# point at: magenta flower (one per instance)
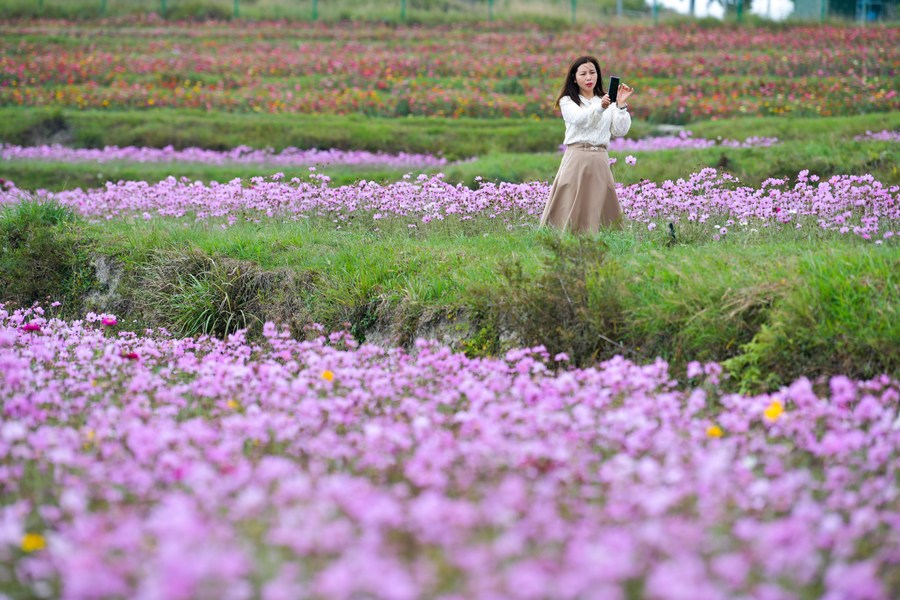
(223, 469)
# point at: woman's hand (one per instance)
(605, 101)
(624, 92)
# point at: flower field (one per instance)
(702, 404)
(289, 157)
(145, 466)
(294, 157)
(713, 201)
(681, 73)
(686, 140)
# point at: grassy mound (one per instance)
(771, 311)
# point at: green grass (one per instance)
(690, 302)
(66, 176)
(771, 309)
(454, 138)
(44, 254)
(752, 166)
(548, 14)
(507, 149)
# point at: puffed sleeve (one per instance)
(621, 121)
(581, 116)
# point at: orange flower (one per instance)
(32, 542)
(774, 411)
(714, 431)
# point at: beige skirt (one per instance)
(583, 196)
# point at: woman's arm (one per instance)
(621, 121)
(579, 115)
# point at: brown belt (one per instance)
(586, 146)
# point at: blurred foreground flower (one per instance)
(32, 542)
(773, 411)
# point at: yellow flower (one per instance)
(89, 434)
(32, 542)
(714, 431)
(774, 411)
(232, 404)
(327, 375)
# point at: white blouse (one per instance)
(590, 123)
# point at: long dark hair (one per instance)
(570, 86)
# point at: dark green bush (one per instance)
(191, 293)
(843, 318)
(44, 255)
(570, 305)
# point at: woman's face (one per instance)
(586, 78)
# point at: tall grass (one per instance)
(828, 307)
(44, 254)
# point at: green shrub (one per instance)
(841, 318)
(571, 305)
(192, 293)
(44, 255)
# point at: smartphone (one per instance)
(613, 88)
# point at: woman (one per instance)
(583, 196)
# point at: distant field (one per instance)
(228, 379)
(681, 72)
(554, 13)
(503, 149)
